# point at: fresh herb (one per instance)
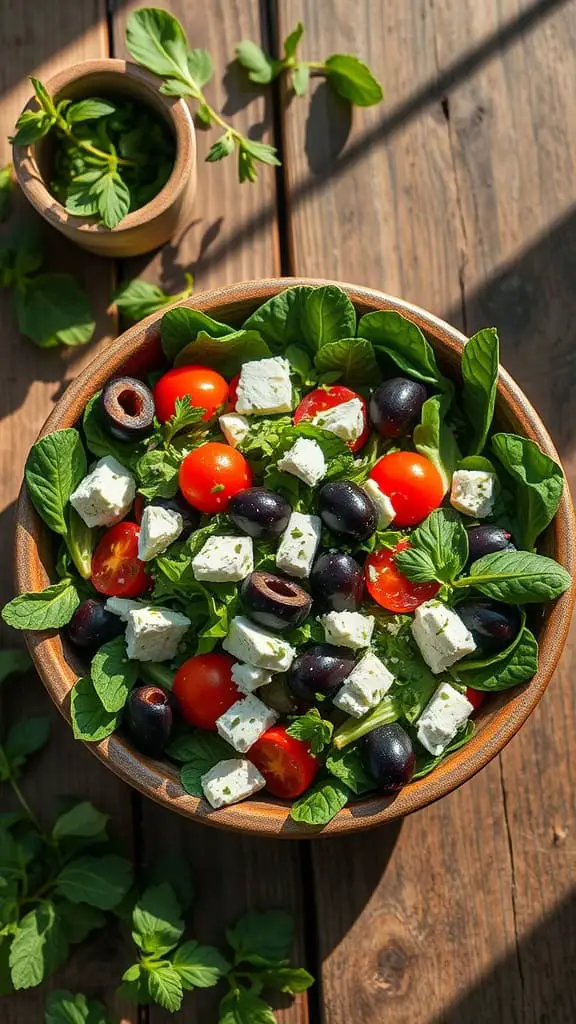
(537, 482)
(314, 729)
(90, 721)
(51, 608)
(351, 359)
(434, 439)
(54, 468)
(517, 577)
(63, 1007)
(200, 751)
(517, 664)
(157, 473)
(136, 299)
(322, 802)
(385, 713)
(185, 415)
(438, 549)
(480, 360)
(402, 341)
(113, 674)
(347, 765)
(7, 185)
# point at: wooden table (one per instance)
(458, 193)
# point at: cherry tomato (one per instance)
(389, 588)
(327, 398)
(233, 391)
(476, 697)
(212, 474)
(205, 388)
(412, 483)
(204, 689)
(116, 569)
(285, 762)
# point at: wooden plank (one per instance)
(418, 919)
(233, 236)
(39, 39)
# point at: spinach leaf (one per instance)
(80, 541)
(476, 462)
(278, 320)
(157, 473)
(182, 325)
(347, 765)
(517, 577)
(327, 316)
(54, 468)
(403, 342)
(426, 762)
(352, 79)
(203, 751)
(352, 359)
(479, 380)
(438, 549)
(518, 664)
(434, 439)
(301, 364)
(225, 354)
(538, 483)
(53, 309)
(321, 802)
(44, 609)
(113, 674)
(90, 721)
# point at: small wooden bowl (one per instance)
(137, 351)
(150, 226)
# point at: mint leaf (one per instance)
(244, 1007)
(435, 440)
(267, 934)
(352, 359)
(54, 309)
(101, 882)
(313, 728)
(31, 126)
(320, 803)
(347, 765)
(538, 484)
(155, 39)
(292, 40)
(286, 979)
(180, 326)
(90, 721)
(301, 79)
(26, 738)
(353, 80)
(200, 66)
(517, 577)
(165, 985)
(203, 751)
(38, 947)
(78, 920)
(157, 920)
(113, 674)
(223, 147)
(404, 343)
(438, 549)
(63, 1007)
(113, 196)
(82, 820)
(13, 661)
(261, 68)
(199, 966)
(136, 299)
(46, 609)
(55, 466)
(89, 110)
(43, 96)
(479, 381)
(225, 354)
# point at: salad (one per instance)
(297, 559)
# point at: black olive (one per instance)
(389, 756)
(127, 409)
(485, 540)
(259, 512)
(273, 602)
(493, 625)
(320, 669)
(190, 516)
(148, 719)
(396, 405)
(347, 510)
(337, 582)
(91, 625)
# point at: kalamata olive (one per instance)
(259, 512)
(320, 669)
(396, 405)
(190, 516)
(389, 756)
(337, 582)
(148, 719)
(493, 625)
(484, 540)
(127, 409)
(91, 625)
(347, 510)
(273, 602)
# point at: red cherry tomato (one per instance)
(212, 474)
(116, 569)
(233, 391)
(389, 588)
(327, 398)
(285, 762)
(205, 388)
(204, 689)
(476, 697)
(412, 483)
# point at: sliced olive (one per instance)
(259, 512)
(320, 669)
(396, 405)
(493, 625)
(337, 582)
(274, 602)
(148, 719)
(127, 409)
(347, 510)
(390, 756)
(91, 625)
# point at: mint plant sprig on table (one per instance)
(136, 299)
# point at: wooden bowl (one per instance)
(137, 351)
(150, 226)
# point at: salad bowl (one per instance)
(138, 352)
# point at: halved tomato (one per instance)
(116, 569)
(285, 762)
(389, 588)
(322, 399)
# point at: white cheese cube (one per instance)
(230, 781)
(224, 560)
(441, 635)
(348, 629)
(159, 527)
(305, 459)
(153, 634)
(264, 387)
(121, 606)
(365, 687)
(297, 549)
(249, 678)
(345, 420)
(445, 712)
(473, 492)
(381, 502)
(256, 646)
(234, 427)
(105, 495)
(245, 722)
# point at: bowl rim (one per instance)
(32, 183)
(266, 816)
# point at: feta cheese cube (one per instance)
(381, 502)
(473, 492)
(245, 722)
(249, 678)
(230, 781)
(297, 549)
(105, 495)
(445, 712)
(153, 634)
(264, 387)
(345, 420)
(121, 606)
(348, 629)
(365, 687)
(234, 427)
(305, 459)
(441, 635)
(159, 527)
(256, 646)
(224, 560)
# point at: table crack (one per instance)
(513, 876)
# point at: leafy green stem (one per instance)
(157, 675)
(24, 803)
(386, 713)
(112, 159)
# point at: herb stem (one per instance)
(157, 675)
(24, 803)
(314, 65)
(110, 158)
(384, 714)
